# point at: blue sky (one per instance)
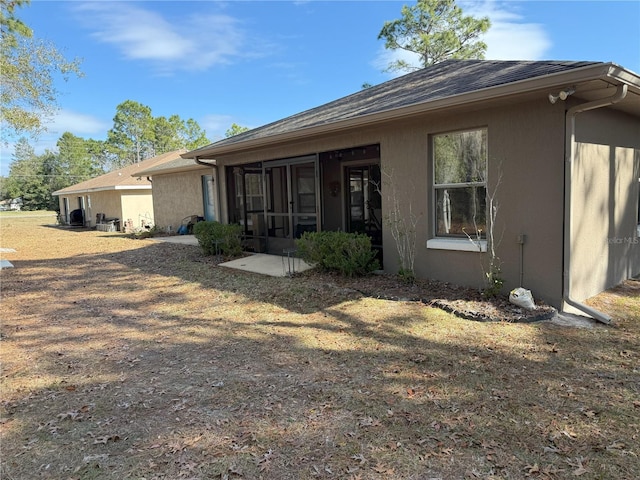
(253, 62)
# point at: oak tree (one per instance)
(29, 66)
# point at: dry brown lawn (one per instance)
(133, 359)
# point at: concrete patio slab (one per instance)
(181, 239)
(272, 265)
(571, 320)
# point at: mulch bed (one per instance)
(464, 302)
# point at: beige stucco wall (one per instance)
(605, 245)
(107, 202)
(137, 207)
(178, 195)
(123, 204)
(526, 150)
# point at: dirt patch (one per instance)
(132, 359)
(467, 303)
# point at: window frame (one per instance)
(456, 242)
(638, 211)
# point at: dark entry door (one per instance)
(291, 201)
(364, 204)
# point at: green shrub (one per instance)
(227, 238)
(348, 253)
(494, 282)
(407, 276)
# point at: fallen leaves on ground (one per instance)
(135, 359)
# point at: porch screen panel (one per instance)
(245, 197)
(303, 184)
(278, 224)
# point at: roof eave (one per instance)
(133, 187)
(184, 169)
(102, 189)
(620, 75)
(608, 72)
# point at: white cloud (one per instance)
(194, 42)
(509, 38)
(386, 57)
(79, 124)
(216, 125)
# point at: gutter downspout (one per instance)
(204, 164)
(570, 142)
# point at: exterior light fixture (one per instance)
(562, 95)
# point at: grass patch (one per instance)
(126, 359)
(27, 213)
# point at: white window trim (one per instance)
(638, 212)
(458, 244)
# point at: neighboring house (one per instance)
(181, 189)
(556, 144)
(12, 204)
(122, 198)
(15, 204)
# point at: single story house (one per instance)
(11, 204)
(121, 198)
(181, 189)
(542, 155)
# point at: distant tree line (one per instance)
(432, 30)
(136, 136)
(28, 98)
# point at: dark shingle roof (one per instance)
(446, 79)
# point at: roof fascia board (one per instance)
(620, 75)
(133, 187)
(85, 190)
(608, 72)
(189, 169)
(103, 189)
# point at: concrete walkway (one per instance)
(6, 263)
(272, 265)
(572, 320)
(182, 239)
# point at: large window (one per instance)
(460, 183)
(638, 227)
